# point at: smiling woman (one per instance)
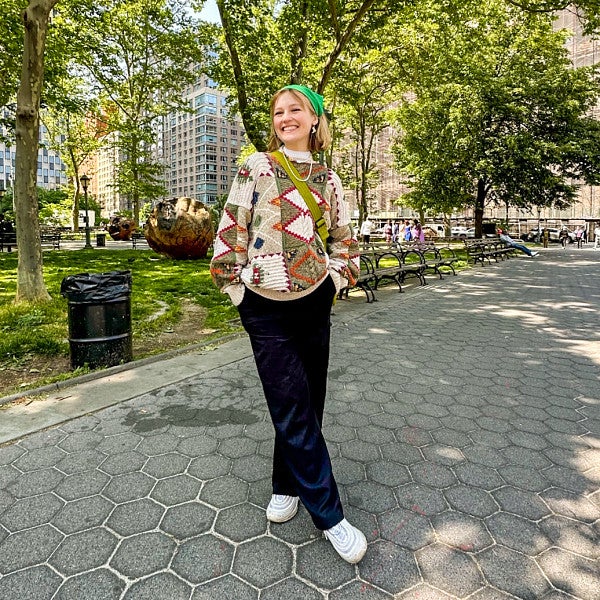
(283, 277)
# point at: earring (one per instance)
(314, 129)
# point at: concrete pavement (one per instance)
(463, 421)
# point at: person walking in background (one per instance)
(563, 236)
(283, 278)
(545, 237)
(579, 236)
(407, 231)
(396, 232)
(417, 233)
(597, 237)
(387, 232)
(365, 230)
(6, 227)
(510, 242)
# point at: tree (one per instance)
(495, 113)
(267, 44)
(11, 48)
(30, 279)
(588, 11)
(367, 86)
(75, 129)
(140, 53)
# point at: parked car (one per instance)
(462, 232)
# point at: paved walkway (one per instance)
(464, 424)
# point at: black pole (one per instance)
(85, 180)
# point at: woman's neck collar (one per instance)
(298, 155)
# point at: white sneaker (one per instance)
(282, 508)
(534, 254)
(350, 543)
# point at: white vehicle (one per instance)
(437, 228)
(459, 231)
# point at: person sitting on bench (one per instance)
(510, 242)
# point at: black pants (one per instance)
(290, 341)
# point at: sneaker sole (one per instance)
(283, 519)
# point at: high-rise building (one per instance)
(200, 148)
(103, 171)
(51, 171)
(584, 52)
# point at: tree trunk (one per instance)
(30, 276)
(479, 205)
(254, 133)
(76, 187)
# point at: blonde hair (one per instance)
(320, 140)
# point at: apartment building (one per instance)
(102, 169)
(51, 171)
(199, 149)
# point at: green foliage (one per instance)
(140, 54)
(366, 86)
(54, 207)
(267, 44)
(498, 113)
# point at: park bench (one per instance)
(50, 239)
(47, 239)
(366, 280)
(138, 239)
(481, 250)
(8, 239)
(435, 258)
(390, 263)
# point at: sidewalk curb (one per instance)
(101, 373)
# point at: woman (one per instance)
(407, 231)
(283, 279)
(417, 233)
(387, 232)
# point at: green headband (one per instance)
(315, 99)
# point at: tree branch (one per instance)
(342, 42)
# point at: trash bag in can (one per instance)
(99, 308)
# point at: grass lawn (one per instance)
(162, 289)
(173, 304)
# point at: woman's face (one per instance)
(292, 121)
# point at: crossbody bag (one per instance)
(315, 211)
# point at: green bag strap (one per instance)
(288, 167)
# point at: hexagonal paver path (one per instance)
(463, 421)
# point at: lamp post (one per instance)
(85, 181)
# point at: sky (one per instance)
(210, 12)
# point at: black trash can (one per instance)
(100, 240)
(99, 306)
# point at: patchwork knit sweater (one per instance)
(266, 239)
